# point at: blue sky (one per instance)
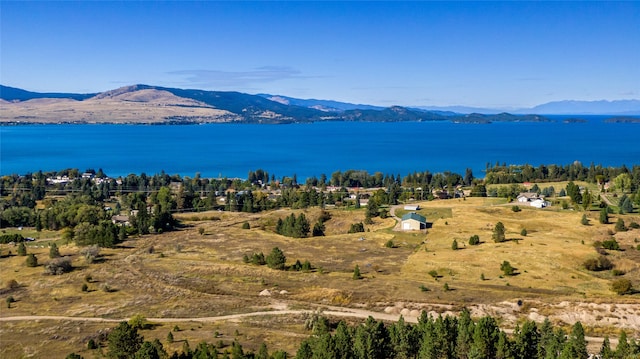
(490, 54)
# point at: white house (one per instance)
(410, 207)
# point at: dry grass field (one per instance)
(184, 274)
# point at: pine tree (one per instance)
(356, 273)
(604, 215)
(498, 233)
(53, 251)
(276, 259)
(605, 349)
(22, 249)
(124, 341)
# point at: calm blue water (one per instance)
(312, 149)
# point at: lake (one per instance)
(232, 150)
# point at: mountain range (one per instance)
(146, 104)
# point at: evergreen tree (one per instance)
(485, 338)
(604, 215)
(147, 351)
(276, 259)
(343, 342)
(124, 341)
(504, 348)
(32, 260)
(498, 233)
(464, 339)
(623, 348)
(356, 273)
(304, 351)
(22, 249)
(605, 349)
(262, 353)
(626, 206)
(576, 346)
(53, 251)
(527, 339)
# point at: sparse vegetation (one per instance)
(598, 264)
(621, 286)
(58, 266)
(32, 260)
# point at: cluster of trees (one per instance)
(450, 337)
(441, 337)
(125, 341)
(276, 260)
(501, 173)
(292, 226)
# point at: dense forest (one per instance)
(431, 338)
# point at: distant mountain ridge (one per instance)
(602, 107)
(161, 105)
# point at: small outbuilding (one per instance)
(413, 222)
(411, 207)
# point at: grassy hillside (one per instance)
(185, 274)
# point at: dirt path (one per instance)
(280, 309)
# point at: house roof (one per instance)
(529, 195)
(414, 216)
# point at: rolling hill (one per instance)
(145, 104)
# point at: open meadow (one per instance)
(195, 282)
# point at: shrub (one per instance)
(434, 274)
(88, 278)
(584, 221)
(58, 266)
(201, 231)
(634, 225)
(445, 287)
(611, 244)
(258, 259)
(9, 300)
(138, 321)
(356, 228)
(454, 245)
(85, 287)
(390, 244)
(91, 253)
(516, 208)
(474, 240)
(506, 268)
(617, 272)
(246, 225)
(621, 286)
(523, 232)
(32, 260)
(620, 227)
(91, 344)
(12, 284)
(423, 288)
(598, 264)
